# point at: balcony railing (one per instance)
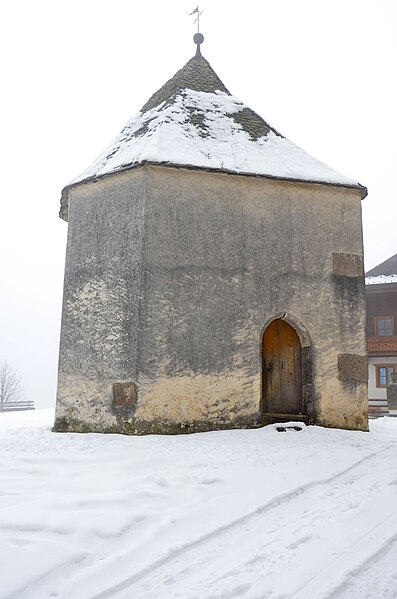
(382, 345)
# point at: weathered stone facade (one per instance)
(172, 275)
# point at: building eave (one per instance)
(372, 289)
(65, 192)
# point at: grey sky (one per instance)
(323, 73)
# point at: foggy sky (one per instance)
(73, 73)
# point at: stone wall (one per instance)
(171, 276)
(104, 269)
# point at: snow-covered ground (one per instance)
(249, 514)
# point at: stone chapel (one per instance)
(214, 275)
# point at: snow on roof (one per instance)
(381, 279)
(198, 129)
(194, 121)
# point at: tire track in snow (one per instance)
(277, 569)
(374, 578)
(184, 550)
(375, 549)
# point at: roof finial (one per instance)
(198, 37)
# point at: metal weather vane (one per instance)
(197, 10)
(198, 37)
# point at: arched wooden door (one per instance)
(282, 369)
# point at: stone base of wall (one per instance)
(66, 425)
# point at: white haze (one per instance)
(73, 73)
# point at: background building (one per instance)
(381, 292)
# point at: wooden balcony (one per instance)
(382, 346)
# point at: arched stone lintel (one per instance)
(296, 324)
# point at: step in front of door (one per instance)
(270, 418)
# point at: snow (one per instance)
(168, 134)
(381, 279)
(307, 514)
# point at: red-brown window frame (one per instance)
(377, 368)
(384, 318)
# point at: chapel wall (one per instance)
(171, 275)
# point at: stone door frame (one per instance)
(308, 407)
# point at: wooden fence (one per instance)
(17, 406)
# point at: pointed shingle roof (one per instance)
(386, 268)
(194, 121)
(197, 74)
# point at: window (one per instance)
(384, 326)
(383, 374)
